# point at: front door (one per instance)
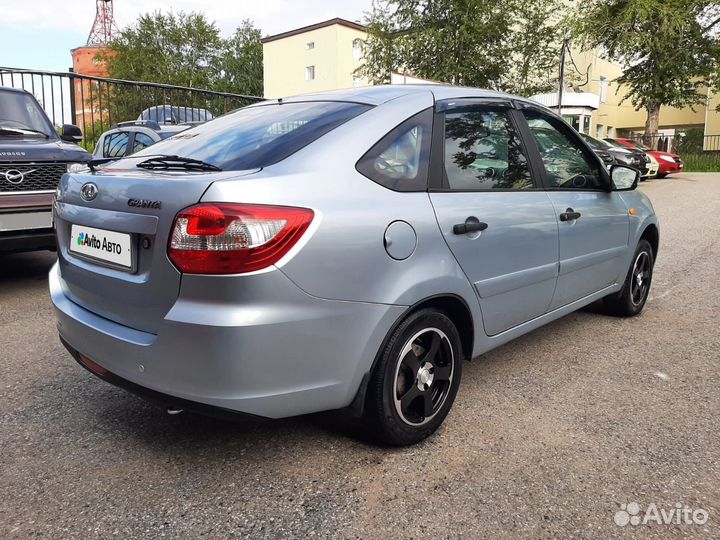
(499, 224)
(593, 222)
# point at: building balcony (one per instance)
(571, 99)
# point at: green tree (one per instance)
(533, 60)
(241, 62)
(503, 44)
(183, 49)
(668, 48)
(173, 48)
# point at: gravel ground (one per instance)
(550, 434)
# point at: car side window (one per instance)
(141, 141)
(567, 163)
(399, 161)
(483, 151)
(115, 145)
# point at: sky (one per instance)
(38, 34)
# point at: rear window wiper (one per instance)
(177, 162)
(93, 163)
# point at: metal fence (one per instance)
(96, 103)
(693, 141)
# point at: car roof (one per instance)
(11, 89)
(137, 126)
(178, 107)
(376, 95)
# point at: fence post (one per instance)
(73, 109)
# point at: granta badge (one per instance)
(144, 203)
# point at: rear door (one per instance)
(593, 222)
(498, 222)
(140, 141)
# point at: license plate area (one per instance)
(102, 247)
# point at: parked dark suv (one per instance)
(33, 157)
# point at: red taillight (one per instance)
(224, 238)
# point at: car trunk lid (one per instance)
(143, 205)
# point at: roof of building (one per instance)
(316, 26)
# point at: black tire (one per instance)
(632, 297)
(663, 175)
(415, 380)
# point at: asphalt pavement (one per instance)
(549, 437)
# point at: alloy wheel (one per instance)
(423, 376)
(640, 280)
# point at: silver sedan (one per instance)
(342, 250)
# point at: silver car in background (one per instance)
(342, 250)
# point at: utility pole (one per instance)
(561, 85)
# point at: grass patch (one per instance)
(705, 162)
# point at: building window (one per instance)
(611, 132)
(310, 73)
(603, 89)
(599, 131)
(586, 124)
(310, 45)
(357, 49)
(573, 120)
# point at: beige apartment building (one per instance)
(324, 56)
(313, 58)
(596, 107)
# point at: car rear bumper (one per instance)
(159, 398)
(293, 354)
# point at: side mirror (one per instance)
(624, 178)
(71, 133)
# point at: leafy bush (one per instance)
(702, 161)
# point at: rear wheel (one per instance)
(416, 379)
(631, 299)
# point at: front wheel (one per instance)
(416, 379)
(632, 297)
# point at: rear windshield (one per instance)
(176, 115)
(255, 137)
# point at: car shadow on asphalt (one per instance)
(149, 425)
(18, 267)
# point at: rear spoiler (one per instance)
(146, 123)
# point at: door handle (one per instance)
(569, 215)
(464, 228)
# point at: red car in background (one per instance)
(668, 163)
